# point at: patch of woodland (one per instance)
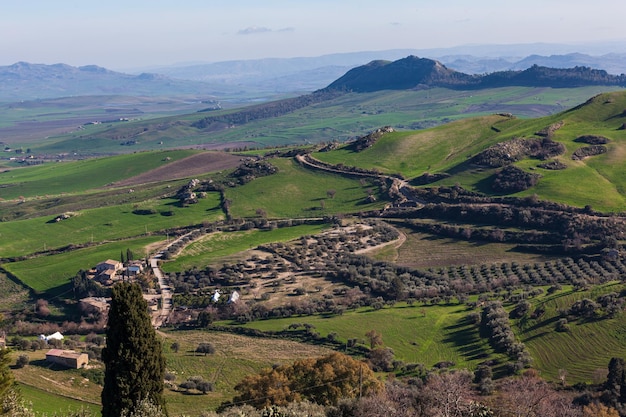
(577, 229)
(369, 140)
(512, 179)
(516, 149)
(495, 325)
(587, 151)
(592, 139)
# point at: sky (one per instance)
(123, 34)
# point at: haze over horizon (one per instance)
(121, 35)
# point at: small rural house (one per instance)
(134, 268)
(67, 358)
(109, 264)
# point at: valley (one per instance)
(329, 228)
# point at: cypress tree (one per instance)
(6, 376)
(134, 363)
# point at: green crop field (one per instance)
(103, 224)
(79, 176)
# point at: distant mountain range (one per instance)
(25, 81)
(413, 72)
(268, 79)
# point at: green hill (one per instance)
(450, 151)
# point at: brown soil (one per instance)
(197, 164)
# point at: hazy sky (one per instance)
(121, 34)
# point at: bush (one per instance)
(22, 361)
(562, 325)
(205, 348)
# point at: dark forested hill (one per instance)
(413, 72)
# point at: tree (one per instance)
(324, 380)
(134, 363)
(375, 338)
(6, 376)
(205, 348)
(21, 361)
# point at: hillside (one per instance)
(315, 118)
(455, 153)
(411, 233)
(413, 72)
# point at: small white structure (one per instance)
(234, 297)
(53, 336)
(216, 296)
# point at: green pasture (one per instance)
(103, 224)
(417, 334)
(585, 349)
(296, 191)
(45, 402)
(46, 273)
(79, 176)
(413, 153)
(215, 246)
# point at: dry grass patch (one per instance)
(422, 250)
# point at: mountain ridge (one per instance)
(414, 72)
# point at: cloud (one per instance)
(254, 30)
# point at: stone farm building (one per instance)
(109, 265)
(67, 358)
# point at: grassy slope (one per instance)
(299, 192)
(413, 153)
(598, 181)
(235, 357)
(582, 351)
(417, 334)
(79, 176)
(102, 224)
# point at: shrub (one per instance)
(22, 361)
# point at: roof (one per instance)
(64, 353)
